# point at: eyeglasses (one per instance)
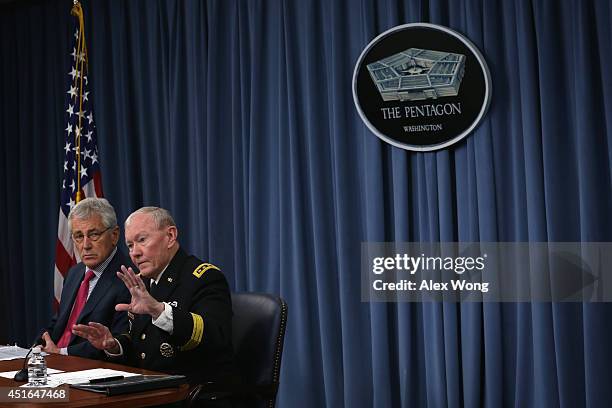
(92, 236)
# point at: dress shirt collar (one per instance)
(100, 268)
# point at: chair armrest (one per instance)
(228, 390)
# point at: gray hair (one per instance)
(161, 217)
(94, 206)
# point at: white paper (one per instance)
(76, 377)
(12, 352)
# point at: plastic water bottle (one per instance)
(37, 369)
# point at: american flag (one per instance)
(81, 166)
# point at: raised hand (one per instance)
(98, 335)
(142, 302)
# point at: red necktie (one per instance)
(79, 303)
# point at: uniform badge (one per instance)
(166, 350)
(174, 303)
(199, 271)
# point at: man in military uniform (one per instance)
(180, 312)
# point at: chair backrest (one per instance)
(258, 333)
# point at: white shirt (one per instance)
(164, 320)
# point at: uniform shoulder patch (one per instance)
(200, 269)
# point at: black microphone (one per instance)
(22, 375)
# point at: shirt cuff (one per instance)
(64, 351)
(164, 320)
(120, 350)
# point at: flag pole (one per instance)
(77, 11)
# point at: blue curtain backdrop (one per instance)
(238, 117)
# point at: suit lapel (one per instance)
(69, 293)
(170, 279)
(166, 284)
(101, 289)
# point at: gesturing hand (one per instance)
(98, 335)
(142, 302)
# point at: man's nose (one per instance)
(87, 242)
(135, 252)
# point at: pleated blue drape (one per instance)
(238, 117)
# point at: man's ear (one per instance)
(172, 234)
(115, 235)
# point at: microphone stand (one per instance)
(22, 375)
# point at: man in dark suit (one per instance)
(91, 288)
(184, 325)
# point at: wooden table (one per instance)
(80, 398)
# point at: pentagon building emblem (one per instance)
(421, 86)
(416, 74)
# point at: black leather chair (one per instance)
(258, 333)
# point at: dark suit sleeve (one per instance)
(50, 327)
(207, 323)
(85, 349)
